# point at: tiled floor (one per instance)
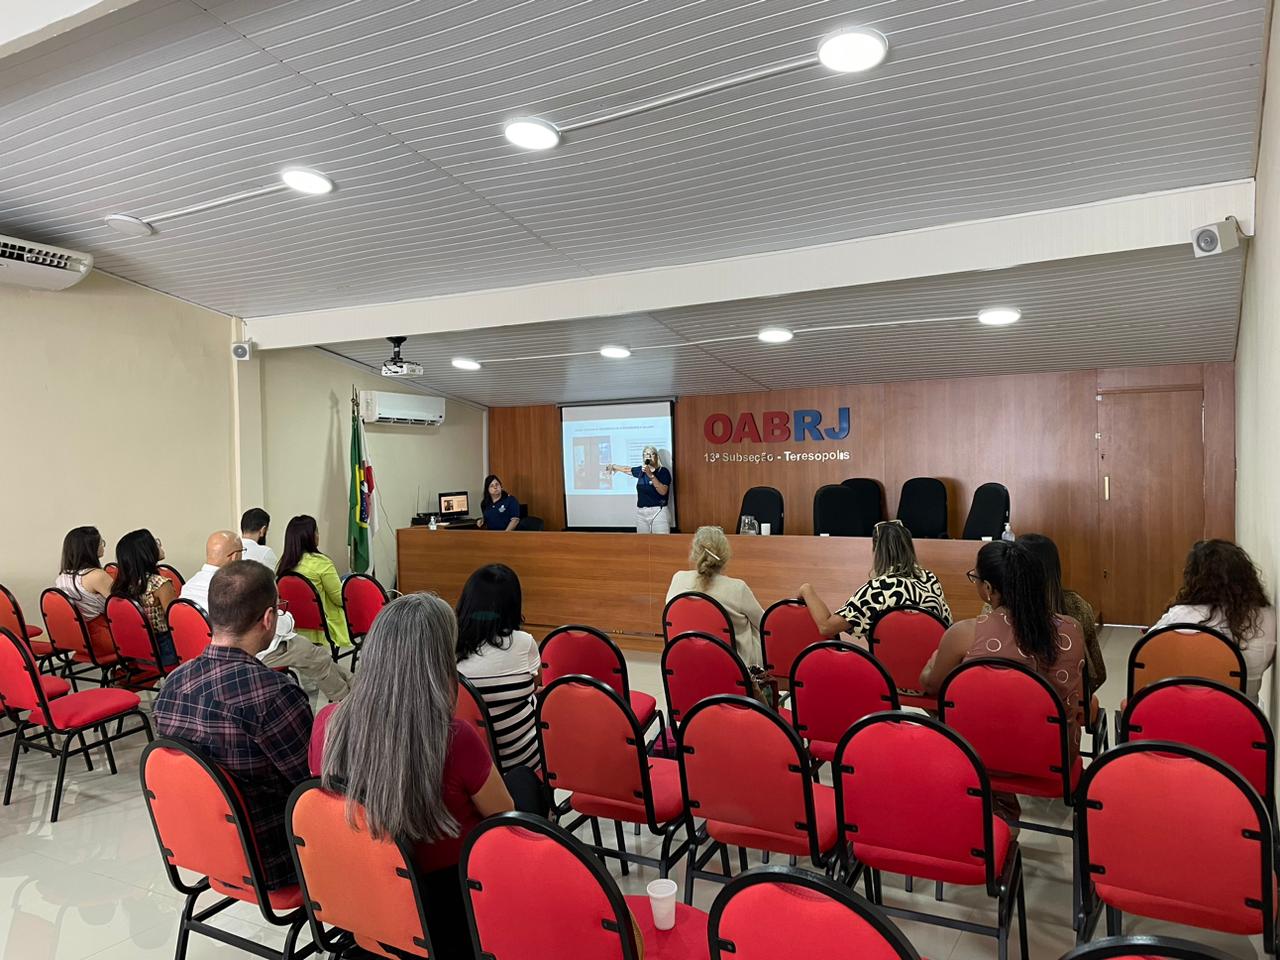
(92, 885)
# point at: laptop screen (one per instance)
(454, 504)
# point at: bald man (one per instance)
(312, 663)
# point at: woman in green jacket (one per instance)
(302, 555)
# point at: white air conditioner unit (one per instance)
(379, 407)
(34, 265)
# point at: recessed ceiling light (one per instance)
(615, 353)
(462, 363)
(306, 181)
(532, 133)
(853, 51)
(775, 335)
(999, 316)
(129, 226)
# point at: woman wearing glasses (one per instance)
(897, 580)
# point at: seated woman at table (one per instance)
(708, 555)
(501, 510)
(897, 580)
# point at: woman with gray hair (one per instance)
(653, 492)
(708, 555)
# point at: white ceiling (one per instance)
(986, 108)
(1148, 306)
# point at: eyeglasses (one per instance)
(973, 576)
(282, 606)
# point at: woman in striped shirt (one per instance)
(501, 661)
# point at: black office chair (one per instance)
(835, 512)
(870, 502)
(922, 508)
(530, 523)
(765, 504)
(988, 513)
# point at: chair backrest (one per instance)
(742, 766)
(11, 617)
(531, 523)
(835, 684)
(839, 512)
(693, 612)
(903, 639)
(870, 506)
(765, 504)
(592, 742)
(189, 628)
(573, 909)
(786, 629)
(1012, 718)
(172, 575)
(922, 507)
(696, 666)
(200, 820)
(19, 687)
(772, 912)
(1210, 716)
(304, 602)
(366, 887)
(1155, 819)
(1145, 948)
(471, 709)
(131, 630)
(64, 626)
(909, 784)
(362, 599)
(1185, 650)
(988, 513)
(112, 568)
(586, 651)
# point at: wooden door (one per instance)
(1151, 466)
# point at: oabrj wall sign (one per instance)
(775, 426)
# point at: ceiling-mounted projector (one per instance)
(397, 366)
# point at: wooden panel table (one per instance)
(618, 581)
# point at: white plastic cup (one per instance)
(765, 529)
(662, 901)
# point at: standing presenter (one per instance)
(653, 486)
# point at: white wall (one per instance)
(116, 411)
(306, 437)
(1258, 359)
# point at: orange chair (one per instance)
(70, 636)
(308, 612)
(575, 649)
(11, 619)
(903, 639)
(367, 891)
(172, 575)
(694, 612)
(786, 630)
(136, 642)
(362, 600)
(202, 826)
(471, 709)
(189, 628)
(1185, 650)
(69, 716)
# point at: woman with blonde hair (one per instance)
(708, 556)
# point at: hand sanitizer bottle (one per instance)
(1008, 533)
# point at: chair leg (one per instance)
(742, 859)
(690, 874)
(106, 743)
(595, 832)
(62, 773)
(622, 845)
(1113, 922)
(1022, 917)
(184, 928)
(724, 860)
(88, 760)
(13, 761)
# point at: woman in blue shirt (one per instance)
(501, 509)
(653, 489)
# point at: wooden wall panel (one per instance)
(524, 451)
(1220, 450)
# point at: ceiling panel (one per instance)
(985, 108)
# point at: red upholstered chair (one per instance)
(135, 641)
(696, 666)
(1185, 650)
(914, 799)
(773, 912)
(747, 773)
(362, 890)
(172, 575)
(833, 685)
(594, 747)
(903, 639)
(70, 716)
(189, 628)
(112, 568)
(1209, 716)
(574, 909)
(586, 651)
(786, 629)
(1166, 831)
(471, 709)
(1018, 727)
(307, 610)
(362, 600)
(694, 612)
(70, 636)
(11, 619)
(1145, 948)
(202, 827)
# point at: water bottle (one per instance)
(1008, 533)
(432, 524)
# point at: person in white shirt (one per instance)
(1221, 589)
(287, 649)
(253, 535)
(708, 555)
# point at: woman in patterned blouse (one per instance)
(897, 580)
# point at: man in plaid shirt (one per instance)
(252, 722)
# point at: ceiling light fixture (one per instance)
(775, 335)
(615, 353)
(301, 179)
(999, 316)
(852, 50)
(462, 363)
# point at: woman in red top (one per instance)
(393, 747)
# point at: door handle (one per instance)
(1106, 488)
